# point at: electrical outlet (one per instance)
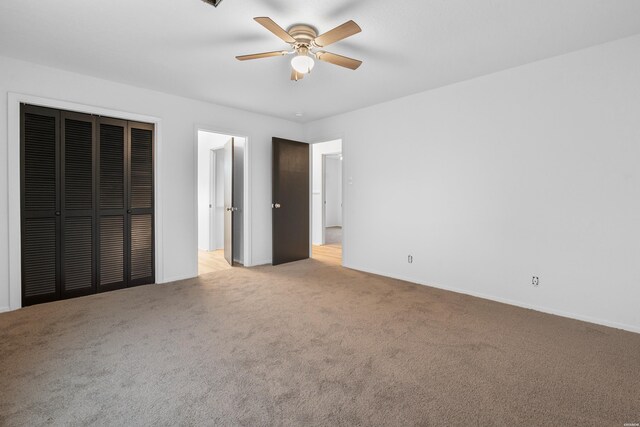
(410, 259)
(535, 280)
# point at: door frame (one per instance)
(311, 142)
(246, 197)
(13, 174)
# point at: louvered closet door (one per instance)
(77, 197)
(112, 209)
(141, 202)
(40, 151)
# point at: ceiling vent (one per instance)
(215, 3)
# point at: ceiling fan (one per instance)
(306, 44)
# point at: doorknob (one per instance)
(277, 206)
(231, 209)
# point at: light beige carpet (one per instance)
(309, 343)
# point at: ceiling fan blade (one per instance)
(341, 32)
(275, 29)
(340, 60)
(295, 75)
(261, 55)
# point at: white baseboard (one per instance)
(260, 262)
(3, 309)
(603, 322)
(177, 278)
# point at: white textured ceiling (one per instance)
(187, 47)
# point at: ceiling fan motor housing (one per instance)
(304, 34)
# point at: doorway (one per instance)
(221, 201)
(327, 205)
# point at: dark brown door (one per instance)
(125, 204)
(290, 213)
(141, 266)
(229, 208)
(112, 209)
(40, 199)
(77, 198)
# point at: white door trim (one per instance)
(13, 186)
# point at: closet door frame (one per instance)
(94, 211)
(15, 101)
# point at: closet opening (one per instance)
(87, 204)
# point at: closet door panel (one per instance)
(112, 212)
(112, 163)
(40, 158)
(78, 259)
(141, 246)
(112, 252)
(141, 166)
(40, 214)
(39, 260)
(77, 146)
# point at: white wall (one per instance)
(530, 171)
(207, 141)
(179, 119)
(333, 192)
(317, 150)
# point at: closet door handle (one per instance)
(57, 213)
(128, 211)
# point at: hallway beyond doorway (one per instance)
(331, 254)
(211, 262)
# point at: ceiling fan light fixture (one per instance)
(302, 63)
(304, 41)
